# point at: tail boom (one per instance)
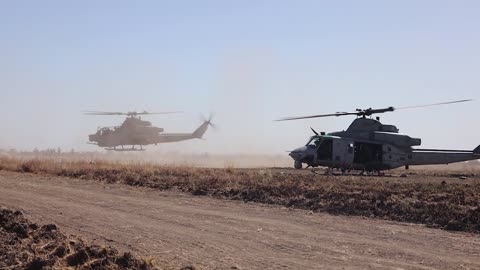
(177, 137)
(437, 156)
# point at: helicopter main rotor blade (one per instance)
(433, 104)
(153, 113)
(370, 111)
(316, 116)
(128, 113)
(102, 113)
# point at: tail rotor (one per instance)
(207, 122)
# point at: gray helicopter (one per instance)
(137, 132)
(369, 145)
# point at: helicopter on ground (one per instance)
(368, 145)
(135, 131)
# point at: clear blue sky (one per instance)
(248, 61)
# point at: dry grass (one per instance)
(435, 198)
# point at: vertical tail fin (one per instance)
(198, 133)
(477, 150)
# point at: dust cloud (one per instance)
(236, 93)
(204, 160)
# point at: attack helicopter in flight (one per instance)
(137, 132)
(368, 145)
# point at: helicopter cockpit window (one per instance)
(315, 141)
(106, 130)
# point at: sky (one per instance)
(248, 62)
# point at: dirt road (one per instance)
(179, 229)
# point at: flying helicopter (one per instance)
(137, 132)
(368, 145)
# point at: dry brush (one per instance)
(436, 199)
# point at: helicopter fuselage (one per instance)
(371, 146)
(136, 132)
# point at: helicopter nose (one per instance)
(92, 137)
(299, 153)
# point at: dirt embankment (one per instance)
(26, 245)
(437, 199)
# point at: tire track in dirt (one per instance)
(213, 233)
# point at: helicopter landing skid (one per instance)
(315, 171)
(125, 149)
(339, 172)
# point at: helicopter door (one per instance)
(344, 153)
(368, 153)
(325, 149)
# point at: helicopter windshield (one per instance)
(106, 130)
(315, 141)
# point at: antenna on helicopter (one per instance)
(368, 112)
